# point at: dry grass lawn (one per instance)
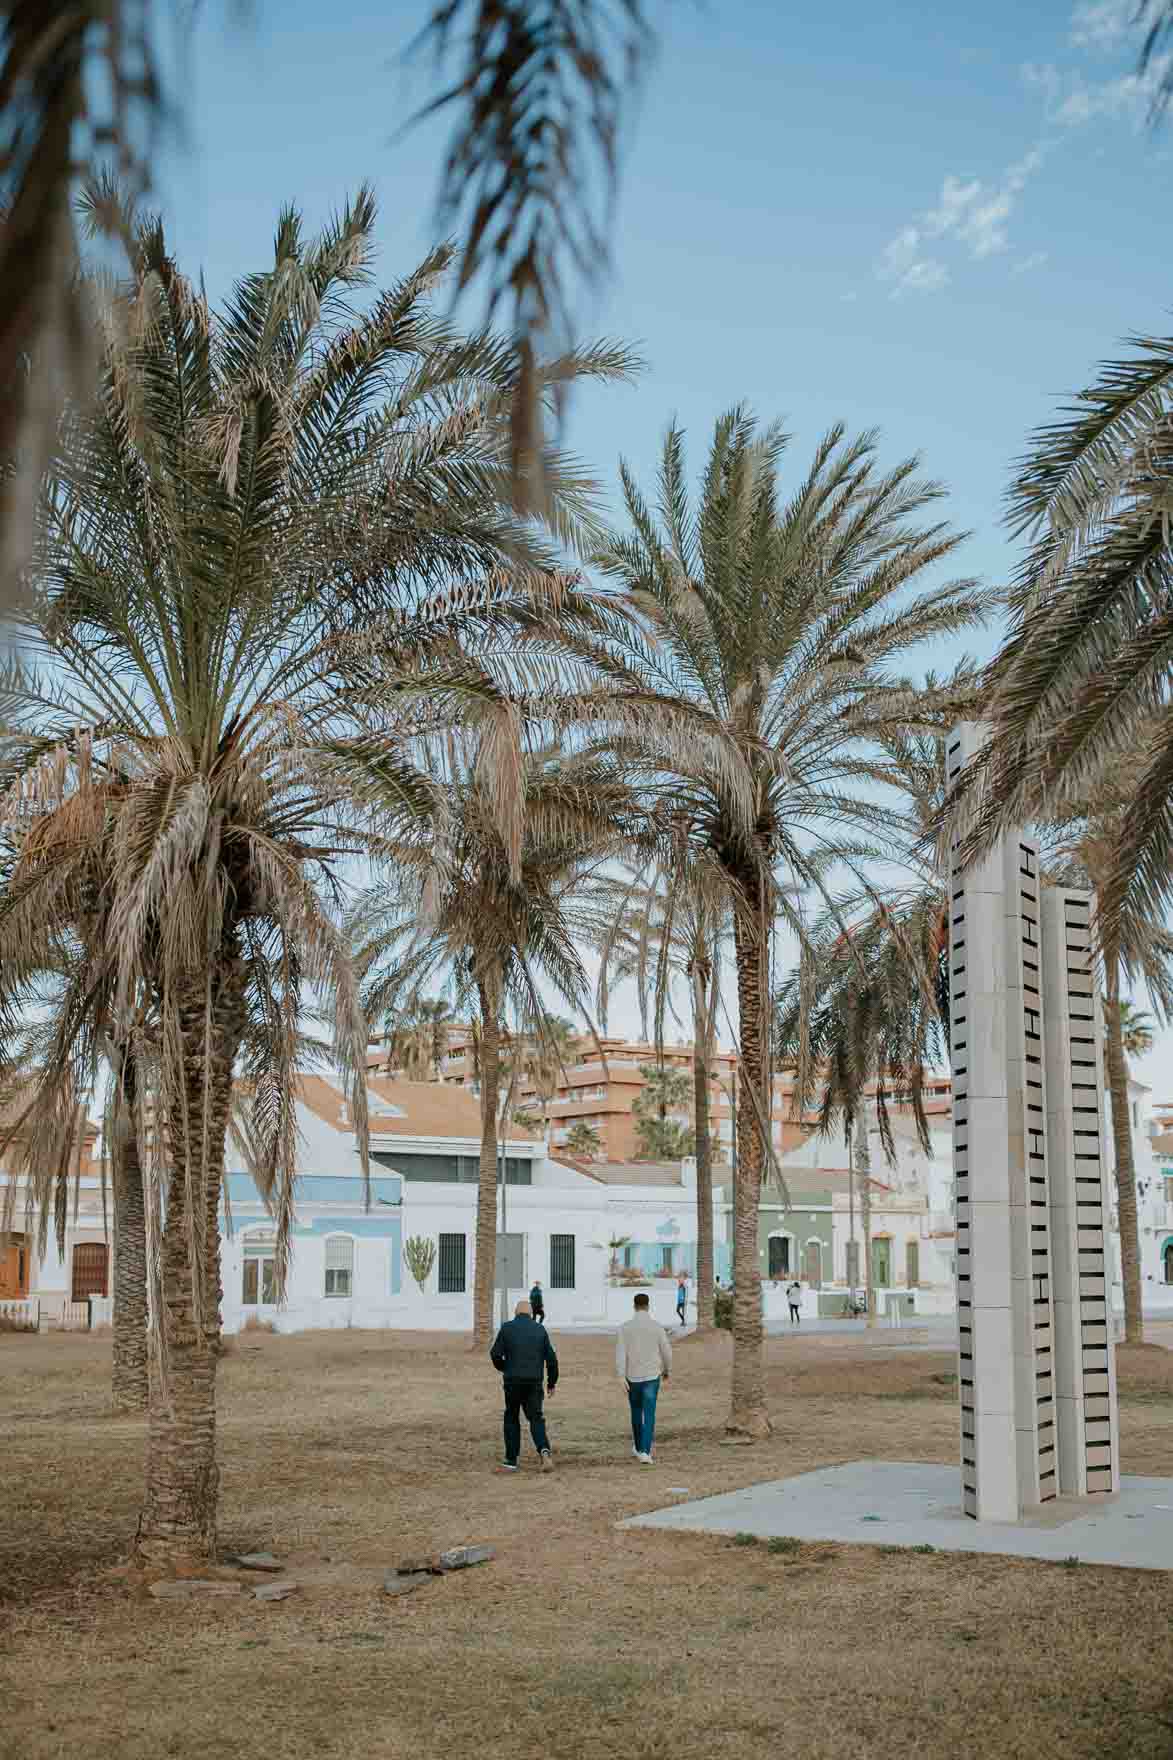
(343, 1453)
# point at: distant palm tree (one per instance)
(658, 1136)
(1132, 944)
(654, 930)
(240, 614)
(583, 1139)
(770, 623)
(868, 1006)
(1136, 1029)
(419, 1045)
(493, 917)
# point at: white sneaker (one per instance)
(635, 1454)
(645, 1460)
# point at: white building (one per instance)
(589, 1235)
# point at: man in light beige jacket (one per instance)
(643, 1357)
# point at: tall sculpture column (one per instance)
(999, 1151)
(1085, 1356)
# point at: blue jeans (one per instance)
(642, 1397)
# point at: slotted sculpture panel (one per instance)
(1021, 1308)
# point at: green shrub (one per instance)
(723, 1309)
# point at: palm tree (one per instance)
(768, 624)
(130, 1384)
(583, 1139)
(242, 602)
(418, 1044)
(674, 925)
(491, 916)
(660, 1137)
(1131, 944)
(1136, 1029)
(1079, 687)
(865, 1017)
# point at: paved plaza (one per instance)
(899, 1503)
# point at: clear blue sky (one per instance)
(930, 220)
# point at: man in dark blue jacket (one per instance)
(523, 1354)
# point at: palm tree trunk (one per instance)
(861, 1160)
(748, 1416)
(129, 1381)
(485, 1276)
(177, 1526)
(1125, 1166)
(702, 1039)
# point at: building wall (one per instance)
(805, 1227)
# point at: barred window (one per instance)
(561, 1261)
(451, 1261)
(339, 1265)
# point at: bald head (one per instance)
(523, 1308)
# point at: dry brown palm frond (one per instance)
(540, 95)
(79, 90)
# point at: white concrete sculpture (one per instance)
(1085, 1359)
(1037, 1403)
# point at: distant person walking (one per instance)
(537, 1302)
(794, 1297)
(681, 1295)
(523, 1355)
(643, 1358)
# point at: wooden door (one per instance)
(14, 1267)
(882, 1263)
(912, 1264)
(814, 1264)
(779, 1256)
(90, 1263)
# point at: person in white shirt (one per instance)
(643, 1358)
(794, 1297)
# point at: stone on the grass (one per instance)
(438, 1564)
(257, 1561)
(405, 1582)
(458, 1558)
(188, 1588)
(274, 1591)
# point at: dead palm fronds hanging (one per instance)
(540, 95)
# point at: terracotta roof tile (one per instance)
(429, 1109)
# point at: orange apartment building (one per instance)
(602, 1081)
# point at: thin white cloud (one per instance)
(1071, 101)
(1034, 261)
(956, 200)
(1102, 24)
(968, 212)
(905, 264)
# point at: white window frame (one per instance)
(260, 1249)
(336, 1271)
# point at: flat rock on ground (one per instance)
(405, 1582)
(191, 1589)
